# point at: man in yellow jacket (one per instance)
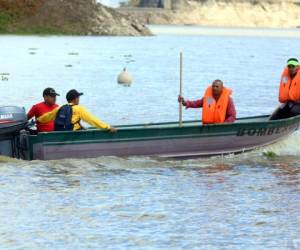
(75, 113)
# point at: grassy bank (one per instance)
(65, 17)
(5, 20)
(13, 23)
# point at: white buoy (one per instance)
(124, 78)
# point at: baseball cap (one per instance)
(50, 92)
(72, 94)
(293, 62)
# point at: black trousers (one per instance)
(286, 110)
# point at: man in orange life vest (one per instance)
(289, 91)
(218, 106)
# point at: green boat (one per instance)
(157, 139)
(160, 139)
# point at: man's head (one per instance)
(217, 88)
(293, 66)
(49, 95)
(73, 96)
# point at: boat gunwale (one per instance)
(167, 137)
(186, 123)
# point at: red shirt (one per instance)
(38, 110)
(230, 113)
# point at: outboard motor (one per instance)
(12, 121)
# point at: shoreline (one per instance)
(196, 30)
(192, 30)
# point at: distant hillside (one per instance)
(175, 4)
(232, 13)
(71, 17)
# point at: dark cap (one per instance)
(50, 92)
(73, 94)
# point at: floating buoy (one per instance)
(124, 78)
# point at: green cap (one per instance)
(293, 62)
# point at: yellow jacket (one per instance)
(79, 113)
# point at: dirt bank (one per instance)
(217, 13)
(70, 17)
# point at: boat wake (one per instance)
(287, 147)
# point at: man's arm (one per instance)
(31, 112)
(90, 119)
(47, 117)
(231, 112)
(194, 104)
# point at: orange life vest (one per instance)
(295, 88)
(289, 89)
(215, 112)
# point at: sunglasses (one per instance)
(291, 66)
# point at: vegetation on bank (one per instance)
(7, 26)
(5, 20)
(13, 13)
(65, 17)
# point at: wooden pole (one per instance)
(180, 91)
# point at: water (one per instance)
(247, 201)
(251, 66)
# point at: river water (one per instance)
(247, 201)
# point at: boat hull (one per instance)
(163, 140)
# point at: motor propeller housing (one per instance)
(12, 121)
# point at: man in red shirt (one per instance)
(46, 106)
